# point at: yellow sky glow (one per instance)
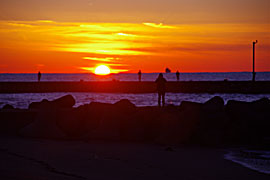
(73, 47)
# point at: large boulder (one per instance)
(132, 128)
(146, 123)
(234, 106)
(115, 121)
(203, 123)
(212, 124)
(12, 120)
(44, 126)
(124, 114)
(249, 120)
(124, 106)
(102, 116)
(261, 105)
(38, 105)
(190, 106)
(66, 101)
(240, 114)
(260, 121)
(171, 128)
(189, 117)
(74, 122)
(7, 106)
(212, 128)
(214, 104)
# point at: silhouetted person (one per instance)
(161, 89)
(140, 75)
(39, 76)
(177, 75)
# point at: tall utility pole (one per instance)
(253, 72)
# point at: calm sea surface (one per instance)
(22, 100)
(150, 99)
(232, 76)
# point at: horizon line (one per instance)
(142, 72)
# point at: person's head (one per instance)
(160, 75)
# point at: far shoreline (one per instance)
(189, 72)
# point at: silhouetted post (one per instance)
(253, 72)
(140, 75)
(177, 75)
(39, 76)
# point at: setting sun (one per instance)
(102, 70)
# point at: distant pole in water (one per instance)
(140, 75)
(177, 75)
(253, 72)
(39, 76)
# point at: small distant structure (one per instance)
(39, 76)
(167, 70)
(177, 75)
(115, 80)
(253, 72)
(140, 75)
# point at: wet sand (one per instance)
(39, 159)
(137, 87)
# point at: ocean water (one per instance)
(231, 76)
(22, 100)
(252, 159)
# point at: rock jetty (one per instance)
(209, 123)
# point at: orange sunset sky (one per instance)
(74, 36)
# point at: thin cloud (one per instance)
(106, 59)
(3, 65)
(127, 35)
(212, 47)
(40, 65)
(19, 24)
(45, 21)
(92, 69)
(160, 25)
(195, 48)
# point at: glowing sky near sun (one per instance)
(188, 35)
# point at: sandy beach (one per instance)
(40, 159)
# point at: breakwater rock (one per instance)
(258, 87)
(209, 123)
